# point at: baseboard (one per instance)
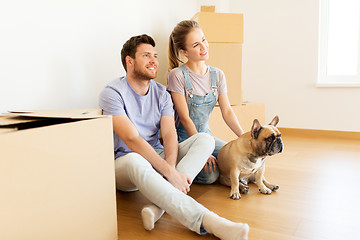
(320, 133)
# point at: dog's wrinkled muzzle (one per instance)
(276, 146)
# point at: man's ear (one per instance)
(129, 61)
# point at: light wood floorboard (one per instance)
(318, 197)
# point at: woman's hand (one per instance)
(212, 164)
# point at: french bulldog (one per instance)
(243, 160)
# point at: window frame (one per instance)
(323, 79)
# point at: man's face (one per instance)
(145, 63)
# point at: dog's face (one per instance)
(266, 140)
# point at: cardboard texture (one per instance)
(207, 9)
(221, 27)
(246, 113)
(57, 179)
(227, 57)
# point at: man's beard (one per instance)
(143, 75)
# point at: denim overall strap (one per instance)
(213, 78)
(187, 79)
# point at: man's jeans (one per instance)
(133, 172)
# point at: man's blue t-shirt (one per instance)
(145, 112)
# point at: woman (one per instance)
(195, 88)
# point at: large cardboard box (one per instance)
(221, 27)
(228, 58)
(246, 113)
(57, 176)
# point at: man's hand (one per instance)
(212, 164)
(179, 180)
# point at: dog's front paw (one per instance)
(275, 187)
(235, 195)
(244, 189)
(265, 190)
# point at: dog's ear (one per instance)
(275, 121)
(256, 128)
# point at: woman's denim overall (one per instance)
(200, 108)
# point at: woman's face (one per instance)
(197, 47)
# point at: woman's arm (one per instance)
(183, 112)
(229, 115)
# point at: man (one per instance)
(141, 108)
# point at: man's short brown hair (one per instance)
(129, 48)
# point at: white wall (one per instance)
(59, 54)
(280, 66)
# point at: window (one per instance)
(339, 62)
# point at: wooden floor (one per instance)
(318, 199)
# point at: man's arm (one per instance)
(170, 142)
(129, 134)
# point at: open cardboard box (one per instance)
(57, 176)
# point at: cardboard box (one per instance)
(228, 57)
(246, 113)
(57, 176)
(221, 27)
(207, 8)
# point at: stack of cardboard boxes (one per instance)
(224, 32)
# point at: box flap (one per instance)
(6, 130)
(20, 120)
(70, 114)
(8, 120)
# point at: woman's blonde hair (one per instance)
(177, 41)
